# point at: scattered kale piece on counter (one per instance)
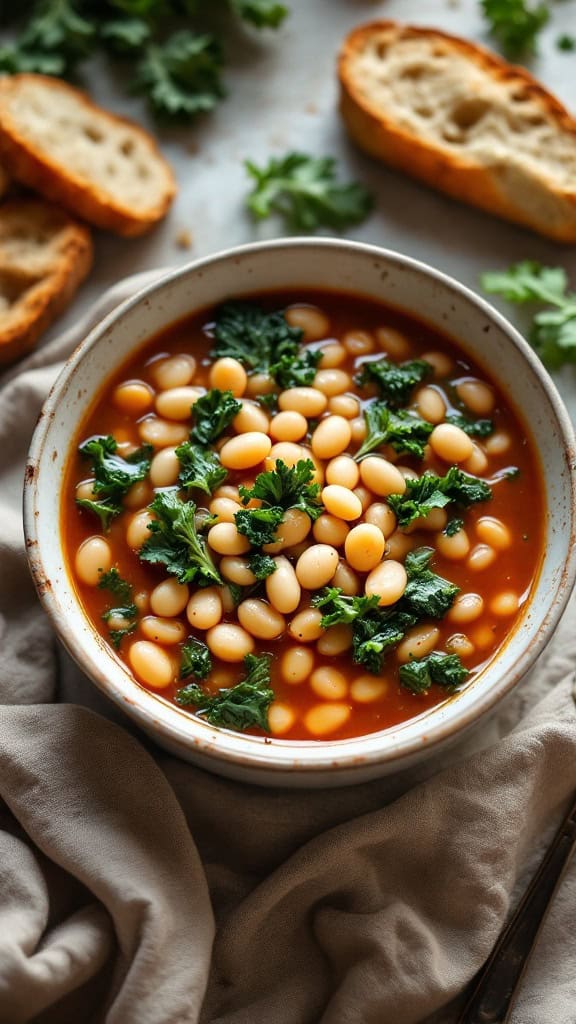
(395, 381)
(238, 707)
(263, 342)
(427, 593)
(212, 413)
(376, 632)
(566, 43)
(453, 527)
(553, 334)
(261, 565)
(516, 23)
(260, 13)
(55, 37)
(201, 468)
(287, 487)
(174, 541)
(181, 77)
(339, 608)
(196, 660)
(474, 428)
(445, 669)
(404, 431)
(125, 611)
(304, 191)
(259, 525)
(113, 475)
(431, 491)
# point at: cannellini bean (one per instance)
(347, 580)
(308, 401)
(204, 609)
(225, 539)
(228, 491)
(494, 532)
(466, 608)
(381, 477)
(477, 395)
(293, 529)
(332, 382)
(435, 519)
(163, 631)
(316, 566)
(133, 397)
(441, 364)
(358, 343)
(176, 403)
(229, 642)
(281, 718)
(380, 515)
(419, 641)
(162, 433)
(288, 426)
(460, 644)
(387, 581)
(228, 374)
(359, 430)
(393, 342)
(451, 443)
(329, 683)
(481, 557)
(326, 718)
(336, 640)
(309, 319)
(173, 372)
(225, 509)
(260, 619)
(151, 664)
(251, 418)
(364, 547)
(398, 545)
(227, 598)
(305, 626)
(505, 603)
(333, 354)
(282, 587)
(430, 405)
(287, 452)
(342, 470)
(477, 463)
(140, 493)
(246, 450)
(237, 570)
(455, 547)
(498, 443)
(85, 491)
(367, 689)
(329, 530)
(331, 437)
(169, 598)
(142, 601)
(344, 405)
(406, 471)
(260, 384)
(93, 557)
(364, 496)
(164, 469)
(138, 532)
(296, 665)
(483, 637)
(341, 502)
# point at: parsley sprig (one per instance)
(516, 23)
(175, 542)
(278, 490)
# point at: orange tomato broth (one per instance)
(517, 501)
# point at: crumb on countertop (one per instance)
(184, 239)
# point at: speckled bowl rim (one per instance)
(177, 728)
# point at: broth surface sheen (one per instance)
(319, 692)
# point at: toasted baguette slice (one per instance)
(102, 168)
(461, 119)
(44, 255)
(4, 181)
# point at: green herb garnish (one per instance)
(201, 468)
(431, 491)
(395, 381)
(445, 669)
(242, 706)
(376, 632)
(474, 428)
(125, 610)
(340, 608)
(196, 660)
(287, 487)
(263, 342)
(113, 475)
(516, 23)
(404, 431)
(259, 525)
(453, 527)
(261, 565)
(426, 593)
(212, 414)
(175, 543)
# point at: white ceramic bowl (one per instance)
(337, 265)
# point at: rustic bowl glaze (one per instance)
(336, 265)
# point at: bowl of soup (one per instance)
(304, 510)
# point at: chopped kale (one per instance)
(445, 669)
(257, 339)
(259, 525)
(212, 413)
(453, 527)
(474, 428)
(125, 611)
(296, 371)
(340, 608)
(261, 565)
(287, 487)
(376, 632)
(395, 381)
(196, 660)
(427, 593)
(431, 491)
(201, 468)
(175, 542)
(404, 431)
(238, 707)
(113, 475)
(118, 587)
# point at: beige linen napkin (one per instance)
(375, 904)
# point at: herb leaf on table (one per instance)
(516, 23)
(304, 191)
(175, 542)
(181, 77)
(260, 13)
(553, 334)
(238, 707)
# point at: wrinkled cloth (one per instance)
(138, 889)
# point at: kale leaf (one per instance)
(296, 371)
(125, 611)
(376, 632)
(56, 36)
(175, 543)
(196, 660)
(404, 431)
(238, 707)
(303, 190)
(201, 468)
(181, 77)
(259, 525)
(445, 669)
(340, 608)
(113, 475)
(431, 491)
(453, 527)
(474, 428)
(395, 381)
(426, 593)
(257, 339)
(516, 23)
(261, 565)
(287, 487)
(212, 414)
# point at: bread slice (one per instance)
(100, 167)
(4, 181)
(44, 255)
(464, 121)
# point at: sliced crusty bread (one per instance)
(104, 169)
(461, 119)
(4, 181)
(44, 255)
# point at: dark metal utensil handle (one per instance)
(493, 997)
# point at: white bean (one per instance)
(169, 598)
(329, 683)
(282, 587)
(204, 609)
(326, 718)
(316, 566)
(260, 619)
(387, 581)
(93, 557)
(151, 664)
(229, 642)
(176, 403)
(296, 665)
(245, 450)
